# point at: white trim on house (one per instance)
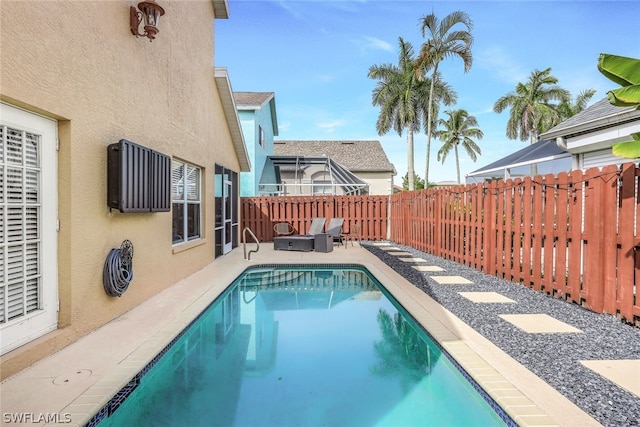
(600, 139)
(231, 114)
(28, 259)
(589, 135)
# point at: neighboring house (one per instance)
(589, 135)
(257, 113)
(330, 167)
(580, 142)
(541, 158)
(75, 81)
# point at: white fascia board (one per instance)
(231, 114)
(601, 139)
(625, 115)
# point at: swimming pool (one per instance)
(293, 346)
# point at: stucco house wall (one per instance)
(380, 183)
(79, 64)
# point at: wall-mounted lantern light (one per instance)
(150, 12)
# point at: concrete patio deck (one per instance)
(80, 379)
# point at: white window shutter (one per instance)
(28, 237)
(177, 182)
(19, 224)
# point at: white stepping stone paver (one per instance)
(390, 248)
(400, 253)
(451, 280)
(539, 324)
(486, 297)
(412, 259)
(625, 373)
(428, 268)
(381, 244)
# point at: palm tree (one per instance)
(459, 129)
(443, 94)
(444, 41)
(568, 108)
(532, 109)
(398, 93)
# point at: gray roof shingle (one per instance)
(362, 156)
(252, 99)
(595, 113)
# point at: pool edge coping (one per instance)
(470, 350)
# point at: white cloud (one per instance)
(330, 126)
(487, 110)
(284, 126)
(375, 43)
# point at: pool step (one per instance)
(282, 278)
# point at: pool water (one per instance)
(288, 346)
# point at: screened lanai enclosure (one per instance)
(308, 175)
(541, 158)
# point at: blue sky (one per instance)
(315, 56)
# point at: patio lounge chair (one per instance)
(300, 242)
(334, 229)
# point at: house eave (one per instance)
(483, 172)
(233, 121)
(626, 115)
(255, 106)
(271, 100)
(221, 9)
(274, 117)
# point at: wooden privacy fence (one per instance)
(261, 213)
(574, 236)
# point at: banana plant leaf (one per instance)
(625, 96)
(628, 149)
(620, 69)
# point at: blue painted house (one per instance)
(257, 114)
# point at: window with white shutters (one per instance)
(28, 241)
(185, 196)
(19, 220)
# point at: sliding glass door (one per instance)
(226, 210)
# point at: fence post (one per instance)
(626, 256)
(489, 230)
(437, 222)
(594, 251)
(609, 182)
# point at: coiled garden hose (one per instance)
(118, 269)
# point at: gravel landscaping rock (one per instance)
(553, 357)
